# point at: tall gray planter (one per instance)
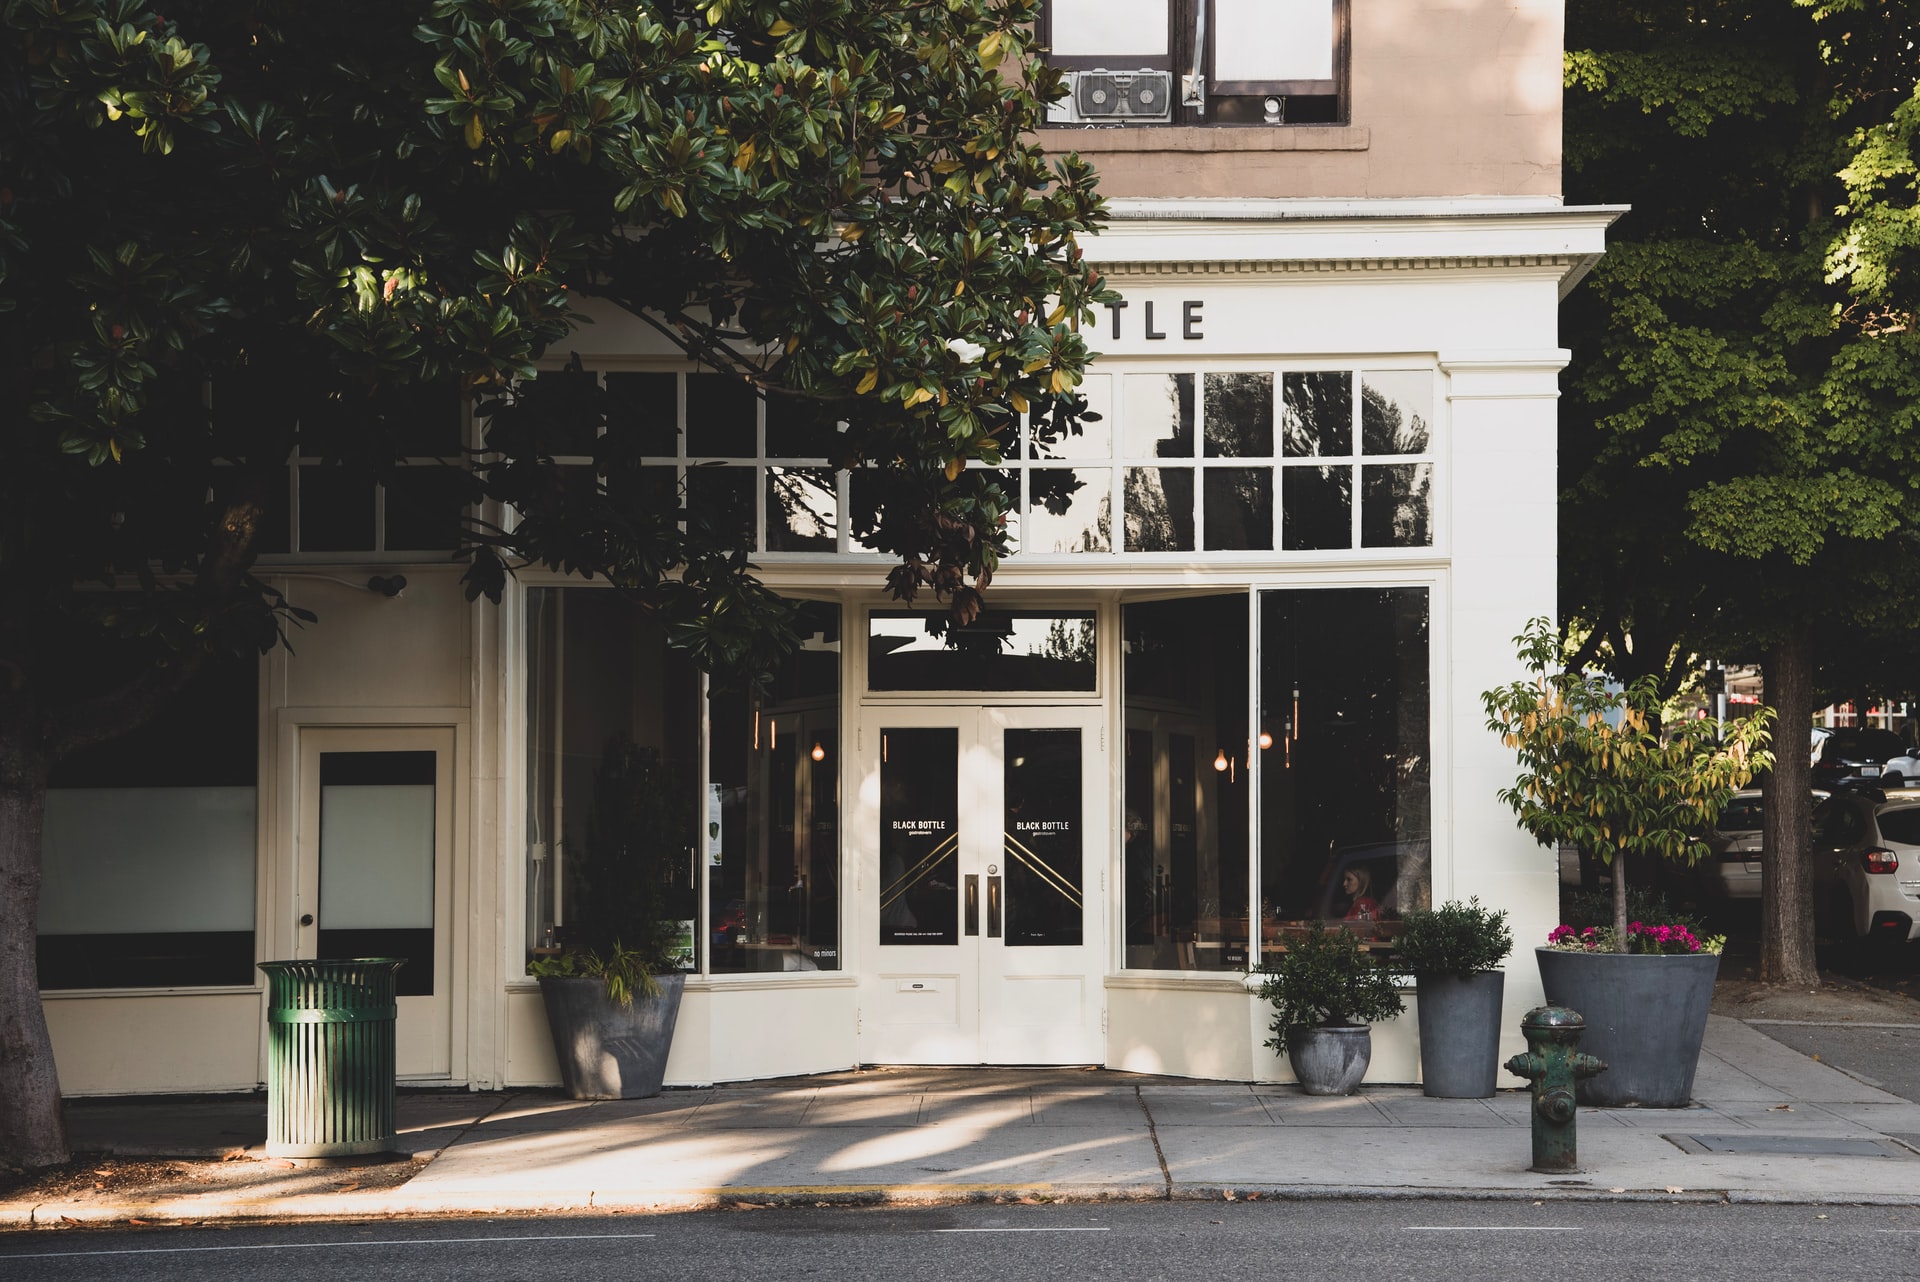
(606, 1050)
(1460, 1033)
(1646, 1017)
(1330, 1059)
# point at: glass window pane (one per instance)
(1186, 781)
(999, 650)
(1159, 509)
(1239, 416)
(721, 417)
(799, 428)
(1396, 410)
(424, 506)
(1317, 417)
(645, 495)
(1316, 508)
(772, 837)
(1070, 510)
(919, 887)
(1010, 483)
(802, 509)
(1396, 506)
(376, 860)
(613, 724)
(647, 408)
(1041, 835)
(720, 499)
(559, 412)
(1273, 39)
(336, 510)
(1346, 790)
(1158, 409)
(1110, 28)
(1090, 437)
(1239, 509)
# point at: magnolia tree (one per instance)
(317, 210)
(1599, 770)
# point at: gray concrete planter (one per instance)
(1460, 1033)
(1330, 1059)
(606, 1050)
(1646, 1017)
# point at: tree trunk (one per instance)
(32, 1131)
(1619, 901)
(1786, 898)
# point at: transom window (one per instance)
(1230, 461)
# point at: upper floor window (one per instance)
(1190, 62)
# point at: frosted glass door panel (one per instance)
(377, 846)
(376, 857)
(1267, 40)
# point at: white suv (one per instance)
(1875, 841)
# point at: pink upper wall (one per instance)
(1449, 98)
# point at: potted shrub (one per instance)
(1326, 993)
(1599, 770)
(1454, 953)
(613, 995)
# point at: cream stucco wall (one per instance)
(1448, 98)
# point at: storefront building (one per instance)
(1228, 683)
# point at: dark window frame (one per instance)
(1182, 28)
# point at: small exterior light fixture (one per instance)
(1276, 109)
(819, 753)
(1220, 761)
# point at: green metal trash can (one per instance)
(330, 1056)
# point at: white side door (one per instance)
(374, 870)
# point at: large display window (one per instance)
(1346, 783)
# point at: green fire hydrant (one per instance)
(1553, 1066)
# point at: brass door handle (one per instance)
(973, 903)
(993, 908)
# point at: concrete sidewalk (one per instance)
(1770, 1125)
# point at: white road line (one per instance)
(308, 1246)
(1491, 1228)
(1082, 1229)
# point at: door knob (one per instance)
(306, 919)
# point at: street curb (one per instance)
(324, 1208)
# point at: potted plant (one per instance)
(1325, 993)
(1599, 770)
(1454, 953)
(612, 994)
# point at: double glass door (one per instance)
(983, 885)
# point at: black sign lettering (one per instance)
(1190, 318)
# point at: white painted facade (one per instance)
(1467, 288)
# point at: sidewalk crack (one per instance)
(1153, 1133)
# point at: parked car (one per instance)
(1874, 840)
(1855, 754)
(1733, 870)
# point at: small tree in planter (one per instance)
(1454, 953)
(1325, 993)
(1598, 770)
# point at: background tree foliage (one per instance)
(1739, 454)
(315, 209)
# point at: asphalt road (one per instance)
(1361, 1241)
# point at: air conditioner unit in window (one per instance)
(1102, 96)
